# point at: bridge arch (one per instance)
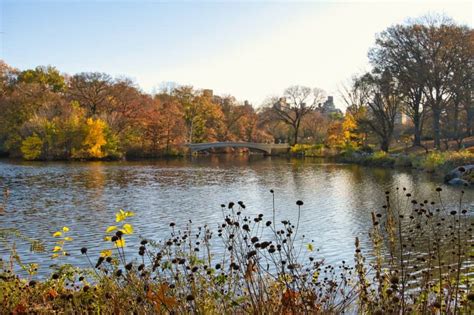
(266, 148)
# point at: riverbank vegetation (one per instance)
(434, 161)
(419, 261)
(419, 89)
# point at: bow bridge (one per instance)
(267, 148)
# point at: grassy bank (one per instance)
(439, 162)
(435, 161)
(253, 264)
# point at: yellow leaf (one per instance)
(315, 276)
(120, 243)
(67, 238)
(106, 253)
(108, 238)
(57, 234)
(65, 229)
(119, 216)
(127, 229)
(110, 229)
(310, 247)
(57, 248)
(54, 256)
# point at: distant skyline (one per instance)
(251, 49)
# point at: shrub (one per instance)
(308, 149)
(445, 161)
(381, 158)
(433, 161)
(31, 147)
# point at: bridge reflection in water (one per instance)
(266, 148)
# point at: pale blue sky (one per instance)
(249, 49)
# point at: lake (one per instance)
(338, 198)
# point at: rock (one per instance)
(458, 182)
(460, 173)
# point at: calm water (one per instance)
(84, 196)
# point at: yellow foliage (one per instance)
(106, 253)
(121, 215)
(127, 229)
(94, 140)
(31, 147)
(120, 242)
(95, 137)
(348, 126)
(110, 229)
(343, 134)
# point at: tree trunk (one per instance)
(296, 135)
(385, 145)
(470, 121)
(417, 126)
(437, 128)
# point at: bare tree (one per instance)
(444, 46)
(379, 94)
(399, 49)
(296, 103)
(91, 90)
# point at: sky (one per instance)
(248, 49)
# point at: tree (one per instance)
(185, 96)
(47, 77)
(91, 90)
(27, 92)
(7, 77)
(125, 104)
(203, 117)
(248, 123)
(399, 49)
(442, 46)
(315, 126)
(431, 58)
(232, 114)
(239, 120)
(296, 103)
(167, 124)
(342, 133)
(273, 129)
(94, 140)
(462, 88)
(380, 95)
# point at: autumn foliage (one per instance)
(47, 115)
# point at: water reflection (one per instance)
(84, 196)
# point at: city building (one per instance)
(328, 107)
